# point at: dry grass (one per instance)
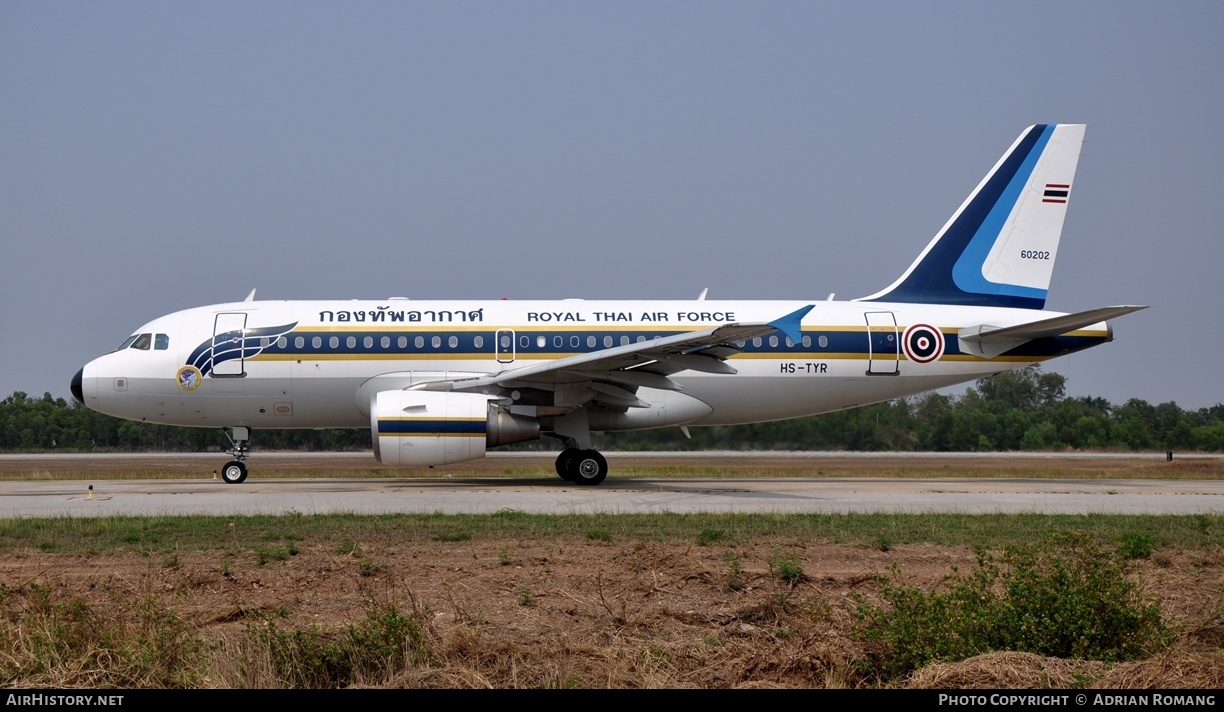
(552, 612)
(1007, 670)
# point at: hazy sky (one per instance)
(157, 156)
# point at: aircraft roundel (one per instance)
(923, 343)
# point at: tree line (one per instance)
(1016, 410)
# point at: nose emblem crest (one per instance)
(188, 378)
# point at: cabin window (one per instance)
(299, 342)
(334, 342)
(436, 342)
(823, 341)
(590, 342)
(478, 342)
(607, 342)
(505, 341)
(368, 342)
(641, 339)
(558, 341)
(350, 341)
(385, 342)
(541, 342)
(453, 342)
(524, 341)
(317, 342)
(624, 340)
(282, 342)
(773, 341)
(807, 340)
(161, 342)
(575, 342)
(756, 341)
(402, 342)
(264, 342)
(419, 342)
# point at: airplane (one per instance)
(440, 382)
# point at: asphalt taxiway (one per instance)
(78, 498)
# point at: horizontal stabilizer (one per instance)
(989, 341)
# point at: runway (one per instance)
(159, 484)
(615, 496)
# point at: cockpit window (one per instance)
(161, 342)
(142, 342)
(127, 342)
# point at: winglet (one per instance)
(790, 324)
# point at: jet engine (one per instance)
(423, 428)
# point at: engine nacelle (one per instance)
(422, 428)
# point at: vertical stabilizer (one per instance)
(999, 248)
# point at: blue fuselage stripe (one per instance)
(839, 343)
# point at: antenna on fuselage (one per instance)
(251, 296)
(701, 297)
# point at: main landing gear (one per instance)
(582, 467)
(578, 462)
(235, 471)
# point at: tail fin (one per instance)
(998, 249)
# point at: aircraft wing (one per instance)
(614, 373)
(990, 341)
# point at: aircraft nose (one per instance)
(75, 387)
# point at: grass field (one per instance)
(518, 600)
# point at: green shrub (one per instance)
(735, 567)
(382, 642)
(786, 567)
(1066, 597)
(264, 554)
(1137, 546)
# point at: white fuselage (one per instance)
(315, 370)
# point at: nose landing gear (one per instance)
(235, 471)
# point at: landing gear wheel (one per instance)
(566, 461)
(234, 472)
(589, 468)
